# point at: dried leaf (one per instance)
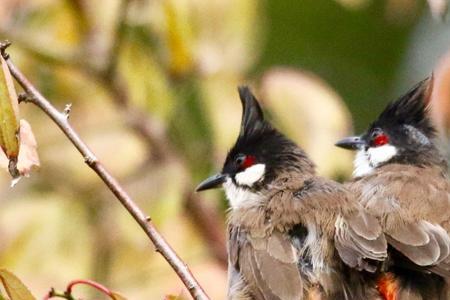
(15, 289)
(438, 8)
(28, 159)
(9, 113)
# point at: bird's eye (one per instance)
(379, 138)
(245, 161)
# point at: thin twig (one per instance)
(92, 161)
(149, 129)
(100, 287)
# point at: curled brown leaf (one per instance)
(28, 158)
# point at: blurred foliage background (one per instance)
(153, 87)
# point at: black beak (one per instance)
(351, 143)
(212, 182)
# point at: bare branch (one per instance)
(92, 161)
(148, 128)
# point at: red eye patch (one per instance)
(381, 140)
(248, 162)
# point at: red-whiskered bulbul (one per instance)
(291, 234)
(401, 177)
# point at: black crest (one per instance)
(252, 115)
(410, 109)
(253, 126)
(260, 139)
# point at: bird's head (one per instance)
(402, 133)
(261, 154)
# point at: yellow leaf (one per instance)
(9, 111)
(118, 296)
(180, 296)
(179, 37)
(15, 289)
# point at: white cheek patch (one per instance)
(251, 175)
(366, 161)
(378, 155)
(239, 197)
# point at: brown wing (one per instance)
(359, 239)
(432, 253)
(357, 235)
(413, 204)
(267, 265)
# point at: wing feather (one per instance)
(269, 266)
(355, 247)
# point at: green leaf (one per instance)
(9, 111)
(15, 289)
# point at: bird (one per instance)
(401, 177)
(291, 234)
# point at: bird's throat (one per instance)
(240, 197)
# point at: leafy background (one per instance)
(153, 88)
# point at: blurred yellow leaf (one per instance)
(312, 114)
(118, 296)
(15, 289)
(229, 37)
(179, 37)
(173, 297)
(9, 111)
(149, 87)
